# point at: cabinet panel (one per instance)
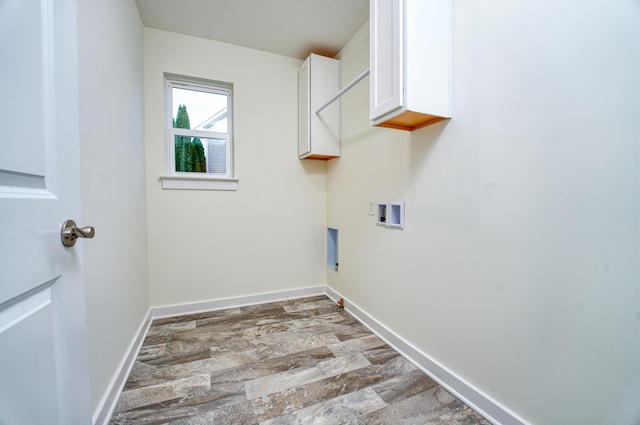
(410, 62)
(319, 133)
(304, 137)
(386, 70)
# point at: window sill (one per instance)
(199, 182)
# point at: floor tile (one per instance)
(289, 362)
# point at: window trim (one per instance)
(204, 181)
(200, 182)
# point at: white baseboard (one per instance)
(107, 405)
(493, 411)
(268, 297)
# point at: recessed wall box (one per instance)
(395, 215)
(332, 249)
(381, 215)
(390, 214)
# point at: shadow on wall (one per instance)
(422, 143)
(316, 172)
(363, 136)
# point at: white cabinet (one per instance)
(410, 62)
(319, 133)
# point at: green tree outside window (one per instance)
(189, 152)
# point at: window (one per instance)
(199, 135)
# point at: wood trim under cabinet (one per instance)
(410, 120)
(320, 157)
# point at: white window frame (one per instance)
(203, 181)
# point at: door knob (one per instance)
(70, 233)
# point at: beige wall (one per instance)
(518, 268)
(113, 186)
(269, 234)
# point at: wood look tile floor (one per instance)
(291, 362)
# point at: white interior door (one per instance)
(43, 340)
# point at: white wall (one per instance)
(269, 234)
(113, 185)
(519, 266)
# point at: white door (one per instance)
(43, 340)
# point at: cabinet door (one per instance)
(386, 57)
(304, 129)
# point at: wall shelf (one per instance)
(410, 62)
(319, 121)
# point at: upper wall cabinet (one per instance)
(319, 133)
(410, 82)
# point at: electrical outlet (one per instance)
(372, 207)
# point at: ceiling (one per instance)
(292, 28)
